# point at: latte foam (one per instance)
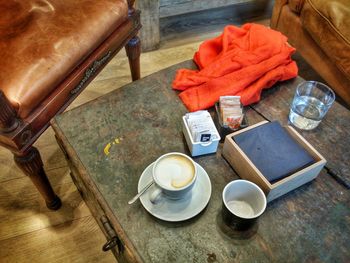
(174, 172)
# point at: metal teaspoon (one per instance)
(141, 192)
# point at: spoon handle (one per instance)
(141, 192)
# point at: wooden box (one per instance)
(247, 170)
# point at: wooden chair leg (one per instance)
(133, 50)
(8, 115)
(31, 164)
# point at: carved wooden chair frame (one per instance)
(19, 135)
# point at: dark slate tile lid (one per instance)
(273, 151)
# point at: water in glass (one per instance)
(306, 112)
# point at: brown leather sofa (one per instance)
(320, 31)
(50, 51)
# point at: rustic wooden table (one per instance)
(143, 121)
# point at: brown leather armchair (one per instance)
(50, 51)
(320, 31)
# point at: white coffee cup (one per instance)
(174, 175)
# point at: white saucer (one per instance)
(177, 210)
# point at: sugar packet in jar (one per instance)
(231, 111)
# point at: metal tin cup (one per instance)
(311, 102)
(243, 203)
(171, 165)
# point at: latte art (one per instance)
(174, 172)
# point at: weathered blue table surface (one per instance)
(143, 119)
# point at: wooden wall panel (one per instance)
(154, 14)
(184, 7)
(149, 33)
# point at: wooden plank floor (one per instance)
(29, 232)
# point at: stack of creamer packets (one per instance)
(231, 111)
(201, 126)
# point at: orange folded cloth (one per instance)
(241, 61)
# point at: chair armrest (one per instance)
(277, 8)
(296, 5)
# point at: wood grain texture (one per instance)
(330, 138)
(22, 211)
(247, 170)
(8, 115)
(133, 51)
(74, 241)
(30, 224)
(149, 32)
(172, 2)
(31, 165)
(115, 178)
(51, 155)
(213, 20)
(99, 210)
(182, 7)
(52, 240)
(37, 121)
(157, 15)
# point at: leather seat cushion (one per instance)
(42, 41)
(329, 25)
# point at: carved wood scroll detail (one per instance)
(32, 166)
(131, 6)
(90, 72)
(30, 163)
(8, 115)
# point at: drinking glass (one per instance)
(311, 102)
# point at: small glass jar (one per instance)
(224, 129)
